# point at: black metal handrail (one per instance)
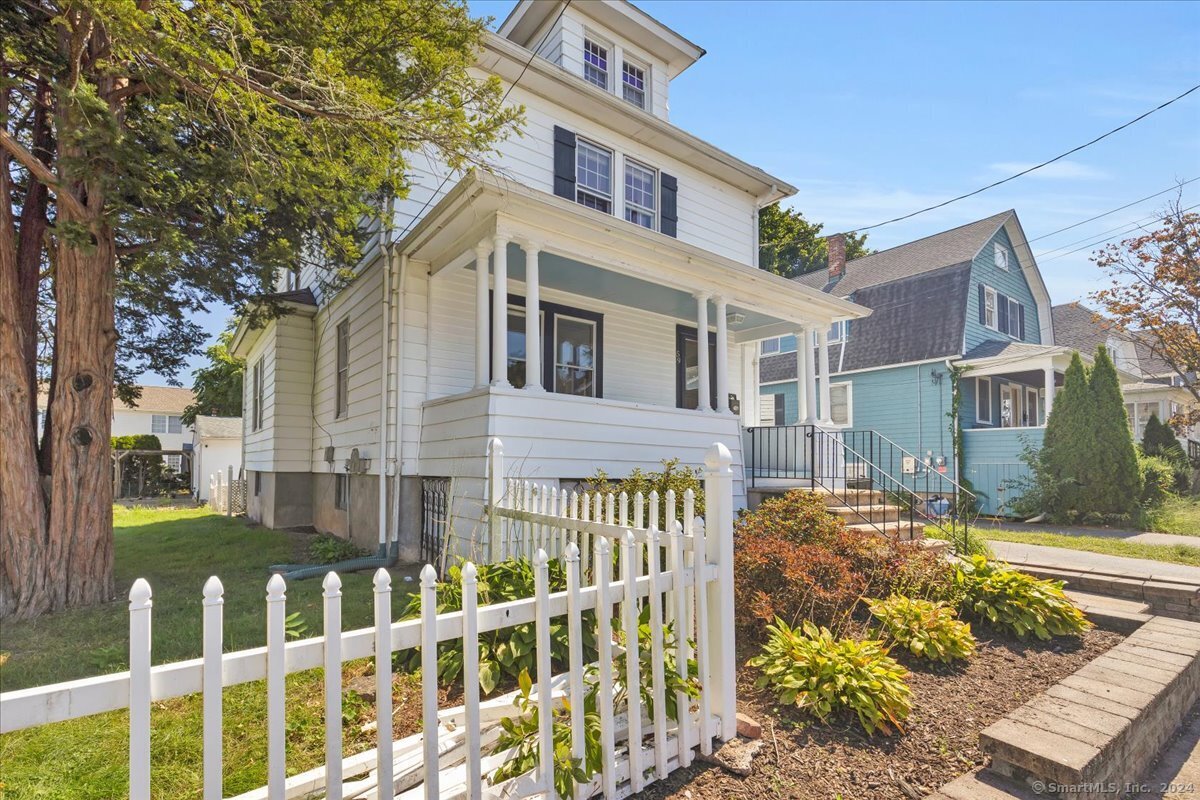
(849, 464)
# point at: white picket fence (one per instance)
(456, 752)
(227, 494)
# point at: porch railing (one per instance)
(849, 464)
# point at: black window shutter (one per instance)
(1002, 312)
(1021, 322)
(982, 304)
(564, 163)
(670, 215)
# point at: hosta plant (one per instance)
(927, 629)
(815, 671)
(1015, 601)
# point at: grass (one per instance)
(1178, 515)
(1171, 554)
(176, 549)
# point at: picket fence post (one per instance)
(494, 494)
(718, 503)
(383, 683)
(429, 678)
(276, 696)
(332, 585)
(213, 637)
(470, 605)
(140, 604)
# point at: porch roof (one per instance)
(1001, 358)
(613, 259)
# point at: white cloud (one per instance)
(1059, 170)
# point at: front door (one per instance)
(687, 369)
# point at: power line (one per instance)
(511, 86)
(1115, 210)
(1107, 238)
(1094, 234)
(1030, 169)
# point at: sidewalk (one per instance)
(1058, 557)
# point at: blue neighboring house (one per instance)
(969, 297)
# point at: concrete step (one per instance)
(903, 531)
(982, 785)
(1111, 613)
(872, 512)
(853, 496)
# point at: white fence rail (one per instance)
(227, 494)
(607, 564)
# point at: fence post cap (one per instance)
(383, 580)
(428, 576)
(540, 559)
(276, 587)
(628, 538)
(572, 552)
(213, 589)
(689, 494)
(495, 446)
(470, 574)
(140, 594)
(652, 533)
(718, 457)
(602, 546)
(332, 584)
(654, 494)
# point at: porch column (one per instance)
(803, 357)
(722, 355)
(810, 377)
(1049, 389)
(823, 346)
(482, 250)
(500, 312)
(533, 319)
(703, 387)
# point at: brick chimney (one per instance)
(837, 255)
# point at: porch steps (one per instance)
(867, 510)
(901, 531)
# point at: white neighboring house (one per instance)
(216, 446)
(159, 410)
(553, 301)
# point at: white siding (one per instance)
(282, 443)
(130, 422)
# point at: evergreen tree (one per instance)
(1069, 440)
(1114, 483)
(1158, 440)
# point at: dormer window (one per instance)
(639, 194)
(1001, 256)
(593, 176)
(633, 84)
(595, 63)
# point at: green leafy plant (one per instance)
(295, 626)
(929, 630)
(672, 476)
(503, 653)
(1015, 601)
(815, 671)
(329, 549)
(1159, 478)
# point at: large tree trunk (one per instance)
(80, 526)
(30, 244)
(24, 549)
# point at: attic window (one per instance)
(1001, 256)
(633, 84)
(595, 64)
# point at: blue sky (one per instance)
(874, 110)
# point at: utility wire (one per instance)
(1107, 238)
(1030, 169)
(1179, 185)
(512, 86)
(1094, 234)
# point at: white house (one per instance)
(552, 301)
(216, 448)
(159, 410)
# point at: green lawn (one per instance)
(1173, 554)
(176, 549)
(1178, 515)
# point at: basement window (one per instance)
(341, 491)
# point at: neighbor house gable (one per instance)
(1006, 300)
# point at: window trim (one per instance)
(1034, 419)
(549, 311)
(838, 325)
(849, 402)
(633, 63)
(762, 346)
(341, 390)
(552, 340)
(256, 397)
(1014, 318)
(991, 417)
(600, 44)
(627, 204)
(580, 143)
(991, 294)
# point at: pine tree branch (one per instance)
(43, 174)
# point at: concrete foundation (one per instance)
(279, 499)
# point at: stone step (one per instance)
(871, 512)
(982, 785)
(903, 531)
(1111, 613)
(853, 496)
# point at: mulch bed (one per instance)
(802, 758)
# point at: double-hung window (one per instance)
(839, 403)
(633, 84)
(572, 339)
(769, 346)
(1001, 256)
(342, 390)
(174, 463)
(989, 308)
(164, 423)
(639, 194)
(256, 398)
(837, 331)
(574, 355)
(595, 63)
(341, 491)
(593, 176)
(983, 401)
(1014, 318)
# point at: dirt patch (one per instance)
(805, 759)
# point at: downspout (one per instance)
(955, 436)
(385, 365)
(398, 371)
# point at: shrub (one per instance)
(928, 629)
(823, 675)
(1020, 603)
(329, 549)
(672, 476)
(1159, 478)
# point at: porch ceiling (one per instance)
(614, 259)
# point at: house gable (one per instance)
(1001, 276)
